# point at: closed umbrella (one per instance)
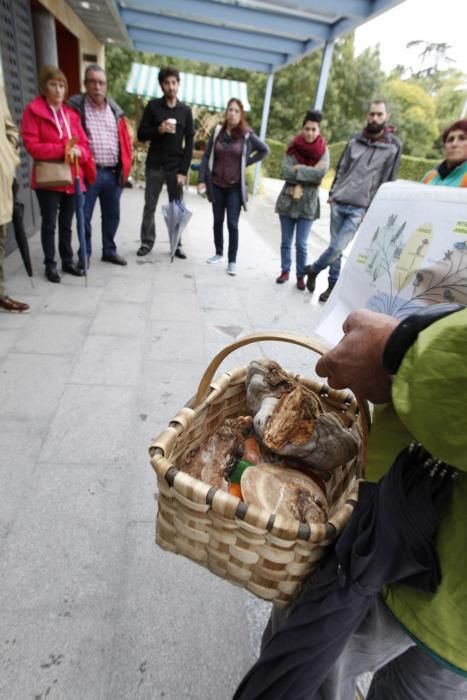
(79, 208)
(390, 538)
(176, 216)
(20, 233)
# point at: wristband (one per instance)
(405, 334)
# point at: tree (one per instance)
(414, 114)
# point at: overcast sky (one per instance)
(428, 20)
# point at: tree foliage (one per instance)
(414, 113)
(423, 99)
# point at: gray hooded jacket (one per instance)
(363, 167)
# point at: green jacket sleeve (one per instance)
(430, 388)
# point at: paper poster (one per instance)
(409, 252)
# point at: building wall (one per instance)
(88, 44)
(76, 48)
(20, 76)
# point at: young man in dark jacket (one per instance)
(168, 125)
(105, 126)
(369, 159)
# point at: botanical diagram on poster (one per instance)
(410, 252)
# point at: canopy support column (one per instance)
(264, 125)
(324, 74)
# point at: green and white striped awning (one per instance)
(201, 90)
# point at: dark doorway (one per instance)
(68, 57)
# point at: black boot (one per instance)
(51, 272)
(72, 269)
(326, 294)
(311, 279)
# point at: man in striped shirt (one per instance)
(104, 123)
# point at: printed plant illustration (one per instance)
(412, 279)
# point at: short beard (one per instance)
(374, 128)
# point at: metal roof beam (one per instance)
(211, 47)
(171, 25)
(340, 8)
(204, 57)
(236, 16)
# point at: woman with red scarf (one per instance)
(305, 164)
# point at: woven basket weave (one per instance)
(269, 555)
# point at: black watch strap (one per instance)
(405, 334)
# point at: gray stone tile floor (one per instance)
(90, 608)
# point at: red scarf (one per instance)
(307, 153)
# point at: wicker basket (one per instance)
(269, 555)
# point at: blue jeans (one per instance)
(345, 220)
(226, 199)
(107, 189)
(301, 227)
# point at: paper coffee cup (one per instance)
(173, 123)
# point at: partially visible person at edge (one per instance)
(369, 159)
(452, 172)
(9, 160)
(168, 125)
(231, 148)
(304, 166)
(47, 126)
(104, 123)
(413, 642)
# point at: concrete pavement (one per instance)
(90, 607)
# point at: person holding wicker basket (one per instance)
(413, 642)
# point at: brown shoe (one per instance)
(13, 307)
(283, 277)
(114, 259)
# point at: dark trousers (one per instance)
(226, 199)
(51, 203)
(108, 191)
(154, 182)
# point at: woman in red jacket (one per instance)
(47, 127)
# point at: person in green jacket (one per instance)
(305, 164)
(452, 172)
(415, 373)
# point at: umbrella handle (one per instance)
(76, 164)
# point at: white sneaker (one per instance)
(231, 269)
(215, 259)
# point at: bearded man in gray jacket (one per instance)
(369, 159)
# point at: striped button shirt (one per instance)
(101, 127)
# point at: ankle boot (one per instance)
(300, 283)
(51, 272)
(327, 292)
(311, 279)
(283, 277)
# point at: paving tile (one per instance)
(108, 359)
(119, 318)
(91, 424)
(31, 385)
(58, 334)
(71, 519)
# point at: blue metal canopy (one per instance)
(252, 34)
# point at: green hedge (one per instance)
(411, 168)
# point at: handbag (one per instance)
(52, 173)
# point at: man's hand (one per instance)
(201, 187)
(166, 127)
(356, 361)
(181, 180)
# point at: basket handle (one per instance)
(282, 336)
